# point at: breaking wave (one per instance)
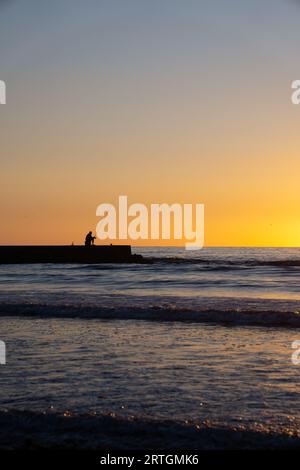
(225, 263)
(244, 315)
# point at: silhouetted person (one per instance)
(89, 239)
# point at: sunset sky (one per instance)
(161, 100)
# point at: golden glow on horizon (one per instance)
(257, 207)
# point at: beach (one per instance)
(185, 353)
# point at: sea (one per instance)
(195, 348)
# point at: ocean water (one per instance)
(202, 338)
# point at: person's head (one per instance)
(90, 233)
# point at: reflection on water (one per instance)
(173, 371)
(106, 358)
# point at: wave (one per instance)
(225, 263)
(246, 315)
(48, 430)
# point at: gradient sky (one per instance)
(164, 101)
